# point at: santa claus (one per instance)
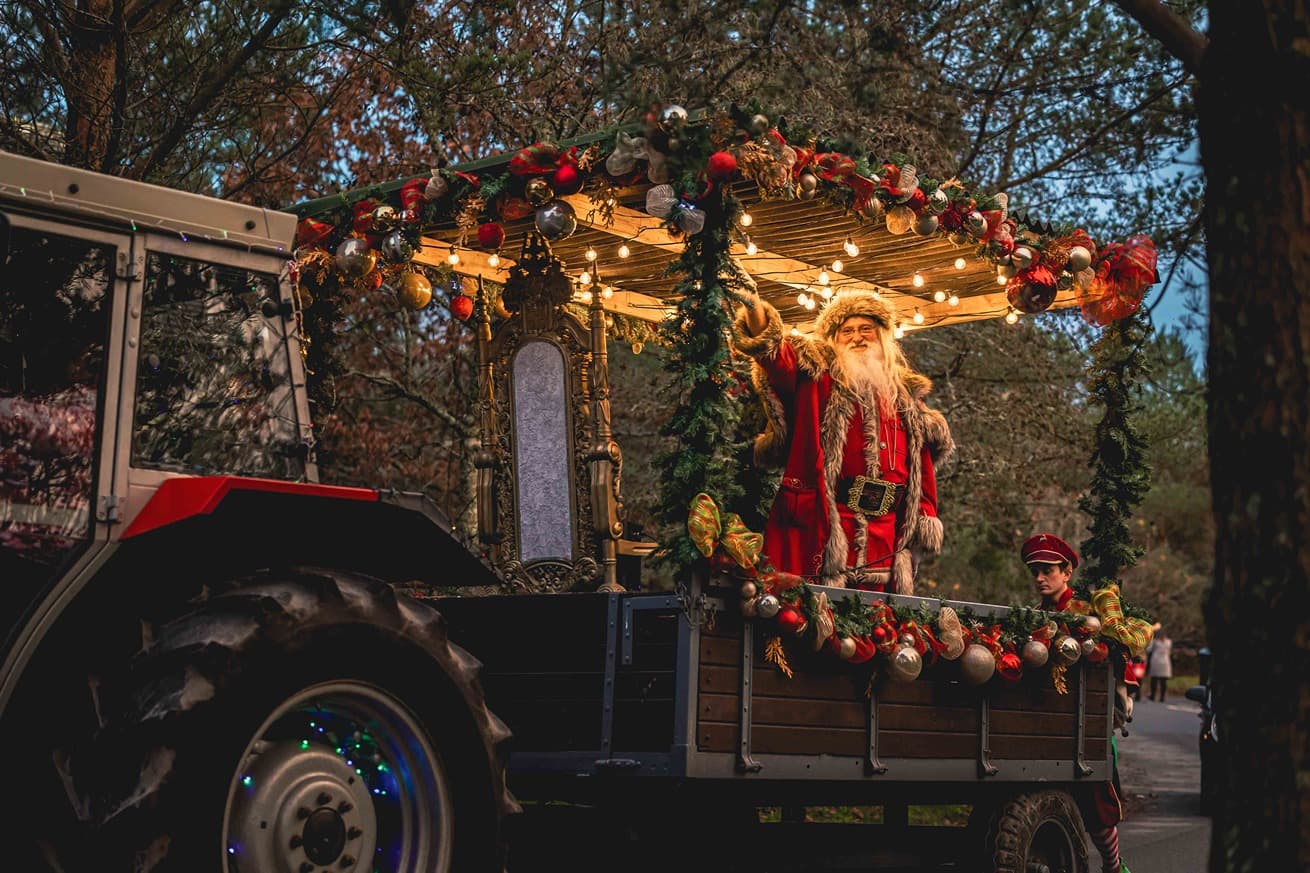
(857, 502)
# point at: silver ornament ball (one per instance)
(926, 224)
(767, 605)
(672, 117)
(760, 124)
(1021, 257)
(396, 248)
(1035, 654)
(556, 220)
(1066, 649)
(977, 664)
(355, 258)
(1092, 624)
(938, 201)
(847, 650)
(1079, 259)
(385, 218)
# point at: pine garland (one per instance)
(1121, 475)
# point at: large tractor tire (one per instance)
(1036, 833)
(309, 723)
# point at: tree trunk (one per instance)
(1255, 144)
(89, 87)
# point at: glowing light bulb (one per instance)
(1011, 317)
(837, 266)
(917, 281)
(751, 248)
(953, 300)
(1001, 280)
(591, 253)
(960, 263)
(584, 296)
(795, 331)
(918, 317)
(745, 219)
(453, 257)
(584, 278)
(606, 292)
(493, 260)
(850, 248)
(802, 298)
(899, 332)
(810, 303)
(823, 277)
(624, 251)
(938, 296)
(825, 293)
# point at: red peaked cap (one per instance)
(1047, 548)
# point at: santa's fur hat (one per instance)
(848, 303)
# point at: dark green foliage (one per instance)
(1121, 475)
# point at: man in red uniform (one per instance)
(858, 499)
(1052, 561)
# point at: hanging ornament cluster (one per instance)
(906, 642)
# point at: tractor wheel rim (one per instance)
(1051, 849)
(341, 777)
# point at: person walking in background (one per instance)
(1160, 662)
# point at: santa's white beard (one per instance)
(863, 371)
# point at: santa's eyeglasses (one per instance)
(864, 330)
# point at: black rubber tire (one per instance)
(159, 779)
(1042, 831)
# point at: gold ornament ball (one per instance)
(355, 258)
(748, 590)
(907, 664)
(977, 664)
(1035, 654)
(900, 219)
(538, 192)
(1079, 259)
(414, 290)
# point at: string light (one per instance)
(584, 278)
(823, 277)
(960, 263)
(851, 249)
(624, 251)
(918, 317)
(591, 254)
(917, 281)
(453, 257)
(606, 292)
(938, 296)
(953, 300)
(838, 266)
(745, 219)
(795, 331)
(493, 260)
(802, 298)
(899, 332)
(1001, 280)
(584, 296)
(810, 303)
(826, 292)
(1011, 317)
(751, 248)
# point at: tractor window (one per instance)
(54, 293)
(214, 393)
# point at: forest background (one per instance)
(1067, 106)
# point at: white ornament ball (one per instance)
(767, 605)
(1035, 654)
(906, 664)
(436, 188)
(1021, 257)
(926, 224)
(748, 590)
(1092, 624)
(847, 650)
(975, 223)
(1079, 259)
(977, 664)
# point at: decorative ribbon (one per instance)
(901, 182)
(663, 203)
(840, 168)
(709, 529)
(1133, 633)
(311, 232)
(362, 220)
(1123, 273)
(630, 149)
(541, 159)
(411, 197)
(950, 634)
(824, 623)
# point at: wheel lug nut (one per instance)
(302, 813)
(296, 841)
(354, 833)
(347, 861)
(324, 799)
(345, 806)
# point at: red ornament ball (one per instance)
(461, 307)
(567, 180)
(917, 200)
(721, 166)
(372, 281)
(1010, 667)
(1099, 654)
(790, 620)
(491, 235)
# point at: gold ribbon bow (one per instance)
(709, 529)
(1134, 633)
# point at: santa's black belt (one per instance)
(870, 497)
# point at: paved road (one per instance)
(1160, 771)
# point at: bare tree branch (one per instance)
(1176, 35)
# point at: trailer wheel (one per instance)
(1037, 833)
(307, 723)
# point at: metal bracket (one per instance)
(611, 652)
(698, 610)
(107, 509)
(985, 765)
(873, 766)
(130, 266)
(1080, 767)
(631, 605)
(746, 763)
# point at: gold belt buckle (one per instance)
(857, 491)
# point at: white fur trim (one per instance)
(930, 534)
(903, 572)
